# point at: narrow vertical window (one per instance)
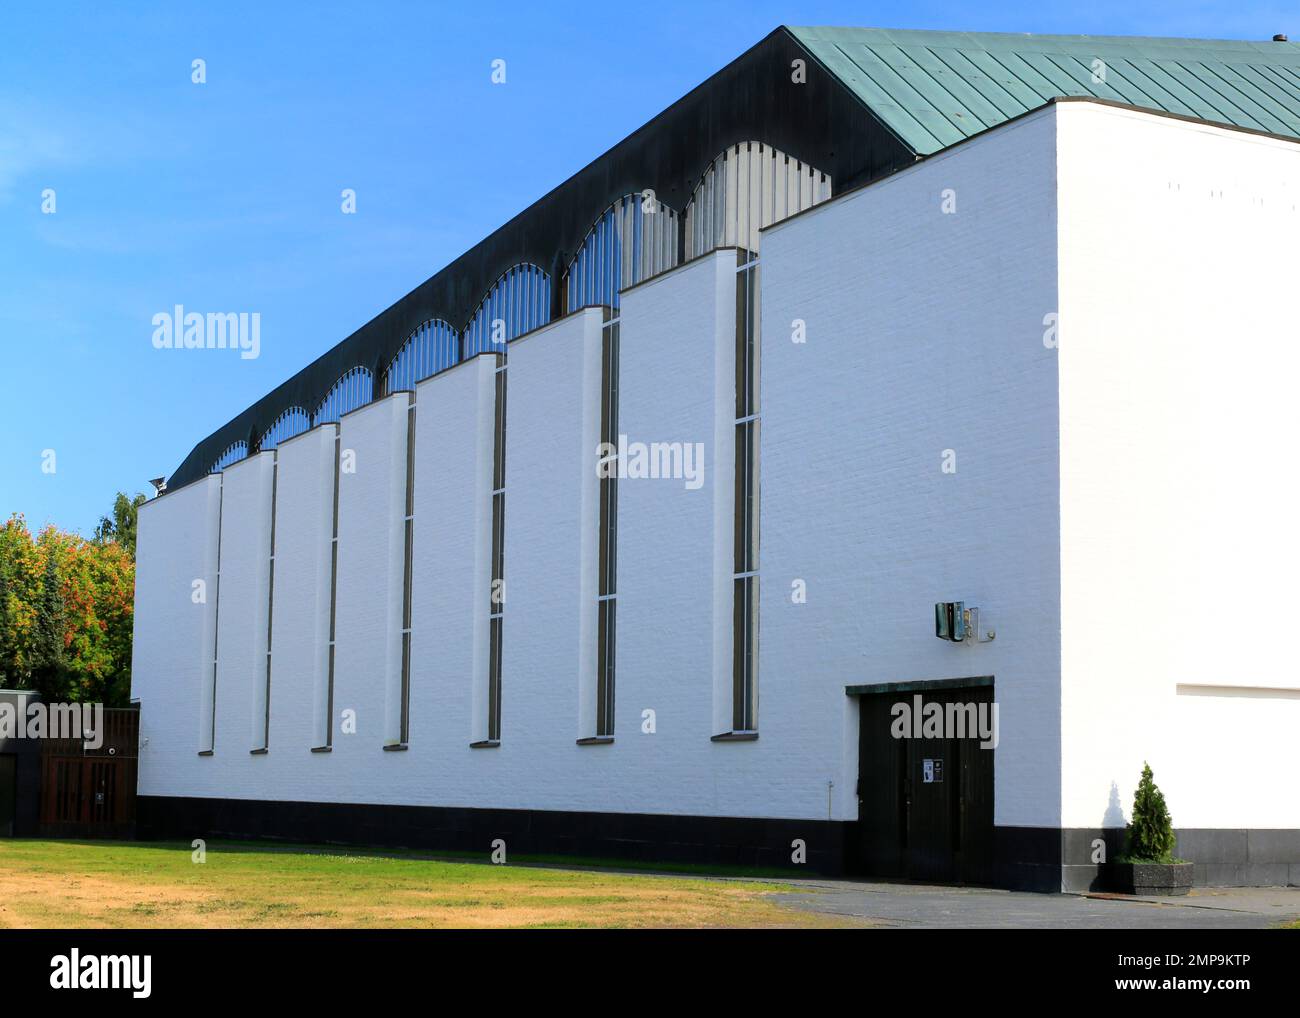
(408, 563)
(209, 737)
(496, 609)
(270, 607)
(327, 736)
(607, 594)
(745, 580)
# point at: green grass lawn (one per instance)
(110, 884)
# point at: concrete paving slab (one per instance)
(923, 906)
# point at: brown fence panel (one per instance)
(92, 792)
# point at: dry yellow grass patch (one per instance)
(60, 884)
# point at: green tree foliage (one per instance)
(120, 528)
(5, 666)
(8, 665)
(47, 673)
(1150, 832)
(66, 608)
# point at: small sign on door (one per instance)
(931, 771)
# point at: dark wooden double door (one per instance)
(925, 805)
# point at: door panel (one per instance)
(882, 762)
(975, 846)
(938, 830)
(929, 809)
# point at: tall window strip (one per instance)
(407, 567)
(270, 607)
(496, 608)
(607, 591)
(327, 740)
(745, 579)
(211, 745)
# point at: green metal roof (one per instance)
(933, 89)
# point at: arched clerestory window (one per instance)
(435, 345)
(518, 302)
(235, 452)
(354, 389)
(749, 186)
(293, 421)
(634, 239)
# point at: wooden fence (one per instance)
(91, 792)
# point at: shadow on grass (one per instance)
(341, 849)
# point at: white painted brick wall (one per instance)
(368, 628)
(453, 540)
(923, 334)
(550, 607)
(301, 608)
(1179, 354)
(244, 599)
(172, 658)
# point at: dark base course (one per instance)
(1026, 858)
(632, 837)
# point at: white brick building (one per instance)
(1045, 369)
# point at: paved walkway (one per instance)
(921, 906)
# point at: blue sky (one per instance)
(225, 196)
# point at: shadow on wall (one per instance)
(1114, 810)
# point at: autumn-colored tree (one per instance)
(66, 609)
(21, 569)
(4, 617)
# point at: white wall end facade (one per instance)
(1020, 374)
(1178, 354)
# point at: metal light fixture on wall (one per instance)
(954, 622)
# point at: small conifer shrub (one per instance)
(1149, 836)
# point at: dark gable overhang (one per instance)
(821, 123)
